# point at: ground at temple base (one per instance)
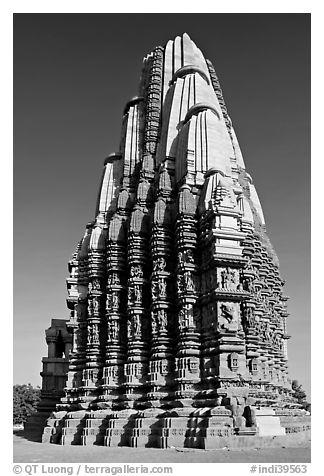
(25, 451)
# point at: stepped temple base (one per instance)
(203, 428)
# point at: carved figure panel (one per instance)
(159, 264)
(136, 271)
(186, 318)
(134, 327)
(185, 257)
(134, 294)
(113, 279)
(112, 330)
(249, 317)
(159, 320)
(93, 335)
(228, 316)
(95, 285)
(228, 279)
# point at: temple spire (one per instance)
(177, 311)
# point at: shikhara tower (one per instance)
(178, 319)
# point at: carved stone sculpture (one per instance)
(195, 315)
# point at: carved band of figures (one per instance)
(134, 327)
(186, 283)
(93, 335)
(185, 257)
(113, 279)
(188, 318)
(135, 294)
(159, 320)
(95, 285)
(94, 306)
(113, 300)
(159, 289)
(159, 264)
(112, 330)
(136, 271)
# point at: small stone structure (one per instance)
(54, 375)
(178, 317)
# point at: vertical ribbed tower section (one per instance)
(178, 316)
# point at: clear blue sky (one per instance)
(73, 74)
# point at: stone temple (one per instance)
(177, 332)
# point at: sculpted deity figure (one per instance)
(115, 300)
(115, 278)
(95, 334)
(229, 279)
(161, 319)
(90, 307)
(276, 340)
(249, 316)
(154, 290)
(137, 294)
(154, 321)
(160, 264)
(130, 295)
(267, 332)
(184, 320)
(180, 284)
(89, 335)
(136, 326)
(189, 256)
(109, 329)
(95, 285)
(96, 305)
(186, 257)
(136, 271)
(129, 329)
(162, 287)
(188, 281)
(224, 278)
(181, 257)
(112, 330)
(249, 286)
(233, 279)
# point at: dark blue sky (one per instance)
(73, 74)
